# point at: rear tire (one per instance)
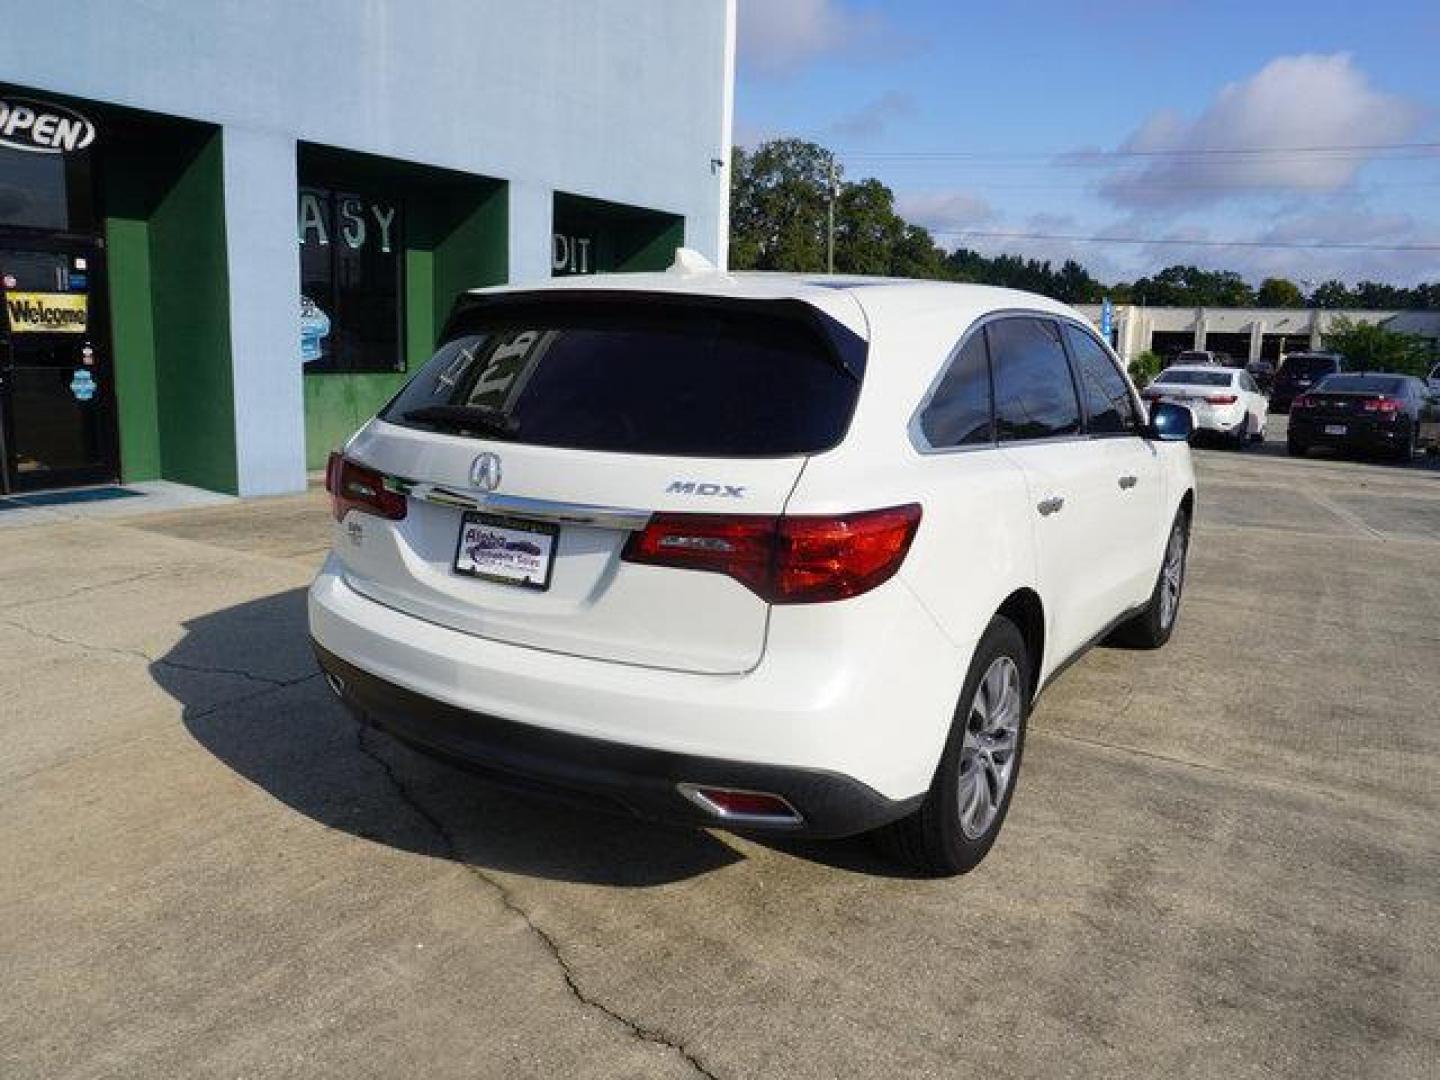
(1411, 450)
(1296, 449)
(1152, 627)
(970, 795)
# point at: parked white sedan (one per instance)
(1226, 401)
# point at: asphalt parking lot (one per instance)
(1224, 858)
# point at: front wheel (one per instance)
(970, 794)
(1152, 627)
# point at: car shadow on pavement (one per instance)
(253, 697)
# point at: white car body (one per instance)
(1224, 401)
(693, 668)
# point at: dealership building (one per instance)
(227, 232)
(1242, 333)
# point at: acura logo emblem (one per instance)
(485, 472)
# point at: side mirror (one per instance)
(1169, 422)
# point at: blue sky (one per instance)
(1007, 118)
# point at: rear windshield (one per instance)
(1195, 378)
(1308, 365)
(1361, 384)
(646, 376)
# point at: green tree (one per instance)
(1371, 347)
(1332, 295)
(778, 206)
(1279, 292)
(1189, 286)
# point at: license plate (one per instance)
(1335, 429)
(506, 550)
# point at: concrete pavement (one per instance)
(1223, 858)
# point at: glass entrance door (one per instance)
(57, 417)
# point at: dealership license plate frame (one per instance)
(511, 528)
(1337, 429)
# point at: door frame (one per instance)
(92, 249)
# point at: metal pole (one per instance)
(830, 220)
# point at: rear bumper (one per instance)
(1359, 434)
(845, 716)
(607, 775)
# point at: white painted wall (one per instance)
(624, 100)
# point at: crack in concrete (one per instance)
(82, 590)
(159, 661)
(637, 1030)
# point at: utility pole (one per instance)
(833, 193)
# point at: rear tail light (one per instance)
(1304, 401)
(784, 560)
(1222, 399)
(352, 486)
(1382, 405)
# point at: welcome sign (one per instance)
(47, 313)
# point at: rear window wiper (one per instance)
(463, 419)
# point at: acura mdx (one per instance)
(777, 554)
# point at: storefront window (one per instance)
(44, 191)
(350, 282)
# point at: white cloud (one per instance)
(873, 118)
(778, 37)
(944, 211)
(1294, 101)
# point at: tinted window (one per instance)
(634, 376)
(1362, 384)
(1034, 395)
(1108, 408)
(959, 413)
(1194, 378)
(1309, 365)
(350, 282)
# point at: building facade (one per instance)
(228, 232)
(1244, 333)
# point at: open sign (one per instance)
(43, 129)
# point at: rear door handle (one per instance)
(1050, 506)
(1128, 482)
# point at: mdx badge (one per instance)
(485, 472)
(692, 487)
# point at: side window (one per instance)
(959, 413)
(1107, 398)
(1248, 384)
(1034, 395)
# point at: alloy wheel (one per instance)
(987, 754)
(1172, 576)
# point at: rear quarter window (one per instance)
(1034, 393)
(641, 375)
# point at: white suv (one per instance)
(771, 553)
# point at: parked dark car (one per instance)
(1263, 372)
(1391, 414)
(1298, 372)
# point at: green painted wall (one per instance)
(132, 342)
(625, 239)
(189, 292)
(652, 246)
(455, 238)
(169, 307)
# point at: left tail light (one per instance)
(353, 486)
(804, 559)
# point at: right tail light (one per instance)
(800, 559)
